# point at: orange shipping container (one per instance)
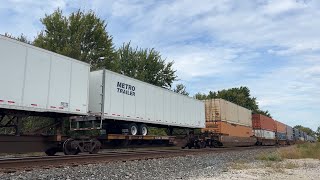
(260, 121)
(281, 127)
(225, 128)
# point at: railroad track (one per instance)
(9, 165)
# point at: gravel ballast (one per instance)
(188, 167)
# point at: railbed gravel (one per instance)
(188, 167)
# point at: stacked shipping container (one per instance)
(281, 131)
(289, 133)
(264, 129)
(296, 134)
(226, 118)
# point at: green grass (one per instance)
(275, 156)
(299, 151)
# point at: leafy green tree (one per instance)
(306, 130)
(200, 96)
(144, 64)
(240, 96)
(180, 88)
(21, 38)
(259, 111)
(82, 36)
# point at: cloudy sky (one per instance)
(273, 47)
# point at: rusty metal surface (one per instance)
(230, 141)
(221, 127)
(135, 137)
(23, 144)
(281, 127)
(260, 121)
(267, 142)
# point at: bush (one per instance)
(157, 131)
(299, 151)
(306, 150)
(275, 156)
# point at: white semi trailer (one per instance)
(36, 80)
(129, 104)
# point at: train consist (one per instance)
(37, 82)
(228, 124)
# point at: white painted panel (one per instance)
(192, 113)
(159, 104)
(37, 79)
(197, 114)
(154, 99)
(167, 107)
(12, 64)
(95, 93)
(140, 101)
(107, 94)
(129, 103)
(149, 104)
(174, 109)
(264, 134)
(178, 107)
(116, 94)
(79, 88)
(201, 114)
(185, 111)
(203, 123)
(60, 77)
(181, 111)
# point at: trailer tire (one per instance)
(143, 129)
(133, 129)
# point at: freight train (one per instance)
(228, 124)
(37, 82)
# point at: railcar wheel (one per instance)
(214, 144)
(143, 129)
(95, 147)
(133, 129)
(70, 147)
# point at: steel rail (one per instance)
(16, 164)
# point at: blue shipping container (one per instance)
(281, 136)
(296, 133)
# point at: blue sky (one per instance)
(273, 47)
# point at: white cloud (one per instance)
(271, 46)
(275, 7)
(21, 16)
